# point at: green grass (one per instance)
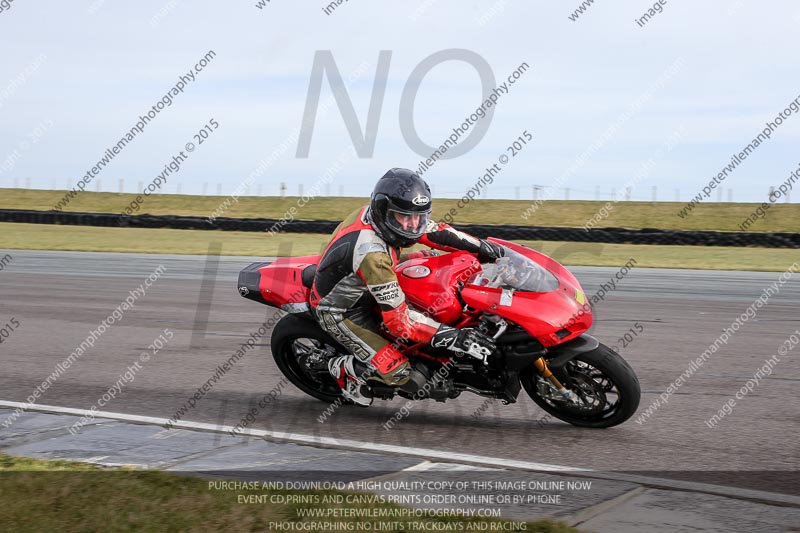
(141, 240)
(707, 216)
(65, 497)
(723, 217)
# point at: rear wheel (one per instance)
(302, 350)
(605, 390)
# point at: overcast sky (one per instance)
(75, 76)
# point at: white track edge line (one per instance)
(299, 438)
(428, 454)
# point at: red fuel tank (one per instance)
(430, 283)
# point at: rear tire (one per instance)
(601, 376)
(301, 350)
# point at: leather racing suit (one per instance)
(355, 271)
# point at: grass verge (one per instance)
(154, 241)
(62, 496)
(635, 215)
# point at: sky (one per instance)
(608, 103)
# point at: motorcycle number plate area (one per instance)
(506, 297)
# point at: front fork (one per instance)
(544, 370)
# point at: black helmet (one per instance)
(400, 194)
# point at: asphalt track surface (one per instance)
(58, 297)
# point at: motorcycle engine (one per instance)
(424, 382)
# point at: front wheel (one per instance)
(605, 390)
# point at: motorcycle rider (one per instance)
(357, 269)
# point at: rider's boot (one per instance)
(343, 371)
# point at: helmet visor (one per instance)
(409, 224)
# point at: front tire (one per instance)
(301, 350)
(606, 384)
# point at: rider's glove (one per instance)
(467, 340)
(489, 252)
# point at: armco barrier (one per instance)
(509, 232)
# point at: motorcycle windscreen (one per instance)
(515, 271)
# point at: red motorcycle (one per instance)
(531, 305)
